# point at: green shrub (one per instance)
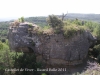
(54, 22)
(3, 40)
(30, 24)
(96, 32)
(26, 61)
(46, 27)
(43, 74)
(95, 51)
(22, 19)
(1, 45)
(6, 58)
(72, 30)
(77, 22)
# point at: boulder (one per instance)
(53, 49)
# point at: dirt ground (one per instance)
(76, 70)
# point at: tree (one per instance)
(54, 22)
(1, 45)
(21, 19)
(63, 16)
(97, 32)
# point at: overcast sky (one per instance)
(26, 8)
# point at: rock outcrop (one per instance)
(52, 49)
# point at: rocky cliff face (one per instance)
(52, 49)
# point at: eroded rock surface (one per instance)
(53, 49)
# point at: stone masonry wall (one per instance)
(53, 49)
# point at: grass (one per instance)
(71, 30)
(68, 29)
(44, 30)
(30, 24)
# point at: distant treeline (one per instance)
(41, 21)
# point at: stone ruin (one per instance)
(51, 49)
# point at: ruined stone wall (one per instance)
(55, 49)
(52, 49)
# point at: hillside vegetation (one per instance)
(52, 24)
